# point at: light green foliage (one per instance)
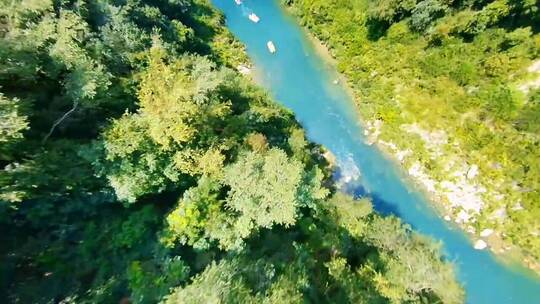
(200, 162)
(180, 99)
(180, 104)
(190, 222)
(263, 189)
(12, 122)
(490, 15)
(241, 281)
(257, 142)
(311, 191)
(121, 39)
(298, 143)
(85, 81)
(67, 239)
(219, 283)
(71, 29)
(410, 264)
(86, 76)
(351, 214)
(134, 165)
(263, 192)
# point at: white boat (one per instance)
(238, 2)
(271, 47)
(254, 17)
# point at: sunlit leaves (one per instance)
(352, 214)
(219, 283)
(263, 188)
(263, 193)
(12, 121)
(189, 223)
(174, 132)
(181, 98)
(241, 281)
(134, 165)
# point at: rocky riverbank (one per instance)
(458, 188)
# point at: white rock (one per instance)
(496, 166)
(480, 244)
(529, 86)
(388, 144)
(535, 67)
(447, 218)
(415, 169)
(473, 172)
(429, 184)
(433, 140)
(517, 207)
(243, 69)
(462, 217)
(499, 214)
(401, 154)
(486, 232)
(498, 197)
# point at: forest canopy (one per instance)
(138, 165)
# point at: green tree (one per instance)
(263, 190)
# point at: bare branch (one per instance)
(59, 120)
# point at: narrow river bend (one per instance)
(301, 80)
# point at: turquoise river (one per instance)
(299, 78)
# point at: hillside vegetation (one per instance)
(452, 89)
(139, 167)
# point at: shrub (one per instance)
(425, 13)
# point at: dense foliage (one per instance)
(138, 166)
(454, 87)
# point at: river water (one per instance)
(299, 78)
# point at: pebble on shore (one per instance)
(243, 69)
(480, 245)
(486, 232)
